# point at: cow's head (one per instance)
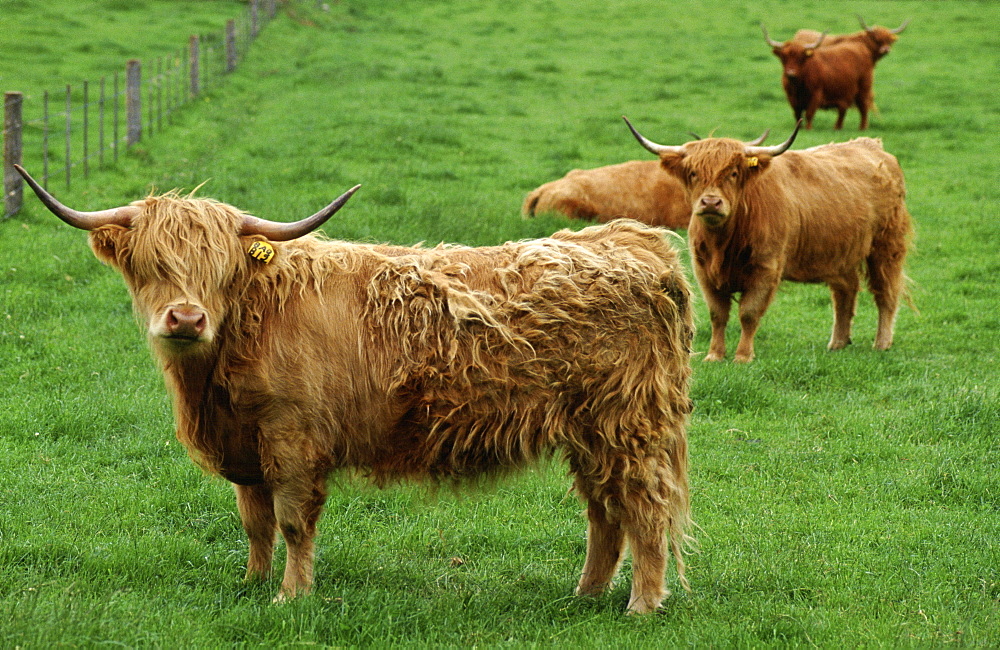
(715, 171)
(183, 259)
(793, 55)
(881, 38)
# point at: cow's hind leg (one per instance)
(885, 280)
(863, 103)
(636, 502)
(844, 292)
(605, 547)
(645, 525)
(297, 506)
(256, 507)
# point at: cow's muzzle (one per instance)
(713, 210)
(183, 324)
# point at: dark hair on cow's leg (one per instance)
(256, 507)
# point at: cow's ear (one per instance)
(108, 244)
(757, 164)
(673, 164)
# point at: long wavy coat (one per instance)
(439, 364)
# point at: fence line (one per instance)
(170, 82)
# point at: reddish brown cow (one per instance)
(290, 357)
(832, 76)
(637, 189)
(761, 215)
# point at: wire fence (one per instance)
(88, 125)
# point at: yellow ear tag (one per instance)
(809, 52)
(752, 161)
(261, 250)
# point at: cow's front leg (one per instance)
(256, 508)
(718, 309)
(298, 502)
(753, 303)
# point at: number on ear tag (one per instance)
(261, 250)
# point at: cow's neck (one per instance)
(196, 398)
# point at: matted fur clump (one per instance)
(445, 364)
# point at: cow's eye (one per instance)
(733, 175)
(693, 176)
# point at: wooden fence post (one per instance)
(194, 58)
(69, 133)
(12, 182)
(230, 45)
(86, 128)
(133, 102)
(253, 19)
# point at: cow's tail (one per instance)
(530, 203)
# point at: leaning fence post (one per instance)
(12, 183)
(253, 19)
(133, 102)
(194, 59)
(230, 45)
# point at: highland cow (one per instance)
(291, 356)
(637, 189)
(761, 215)
(817, 75)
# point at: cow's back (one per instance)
(637, 189)
(515, 344)
(837, 197)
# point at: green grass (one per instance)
(843, 498)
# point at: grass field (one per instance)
(848, 498)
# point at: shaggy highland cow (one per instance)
(289, 357)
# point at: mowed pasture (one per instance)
(842, 498)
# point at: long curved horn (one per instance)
(901, 27)
(82, 220)
(777, 149)
(864, 26)
(767, 37)
(277, 231)
(818, 41)
(651, 146)
(759, 140)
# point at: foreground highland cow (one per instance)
(290, 357)
(761, 215)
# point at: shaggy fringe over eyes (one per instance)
(191, 246)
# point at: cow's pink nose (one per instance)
(713, 203)
(186, 323)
